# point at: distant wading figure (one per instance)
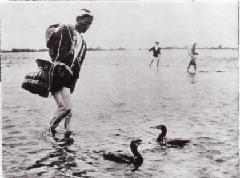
(193, 54)
(67, 50)
(156, 53)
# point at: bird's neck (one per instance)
(136, 153)
(161, 136)
(164, 133)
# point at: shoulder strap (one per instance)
(78, 59)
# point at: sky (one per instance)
(129, 24)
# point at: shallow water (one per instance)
(118, 98)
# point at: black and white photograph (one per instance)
(113, 89)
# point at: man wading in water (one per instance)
(67, 49)
(193, 54)
(156, 53)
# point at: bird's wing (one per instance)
(117, 157)
(178, 141)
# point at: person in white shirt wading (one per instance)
(156, 53)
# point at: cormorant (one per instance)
(163, 141)
(119, 157)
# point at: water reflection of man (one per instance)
(67, 48)
(156, 53)
(60, 157)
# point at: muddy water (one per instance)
(118, 98)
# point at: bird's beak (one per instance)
(153, 127)
(156, 127)
(139, 142)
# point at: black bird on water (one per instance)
(119, 157)
(174, 143)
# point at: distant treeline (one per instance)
(185, 47)
(104, 49)
(111, 49)
(41, 50)
(24, 50)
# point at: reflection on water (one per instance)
(60, 158)
(117, 99)
(192, 77)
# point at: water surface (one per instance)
(118, 98)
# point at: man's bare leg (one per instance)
(151, 63)
(61, 112)
(66, 95)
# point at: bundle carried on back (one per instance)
(64, 67)
(48, 77)
(38, 82)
